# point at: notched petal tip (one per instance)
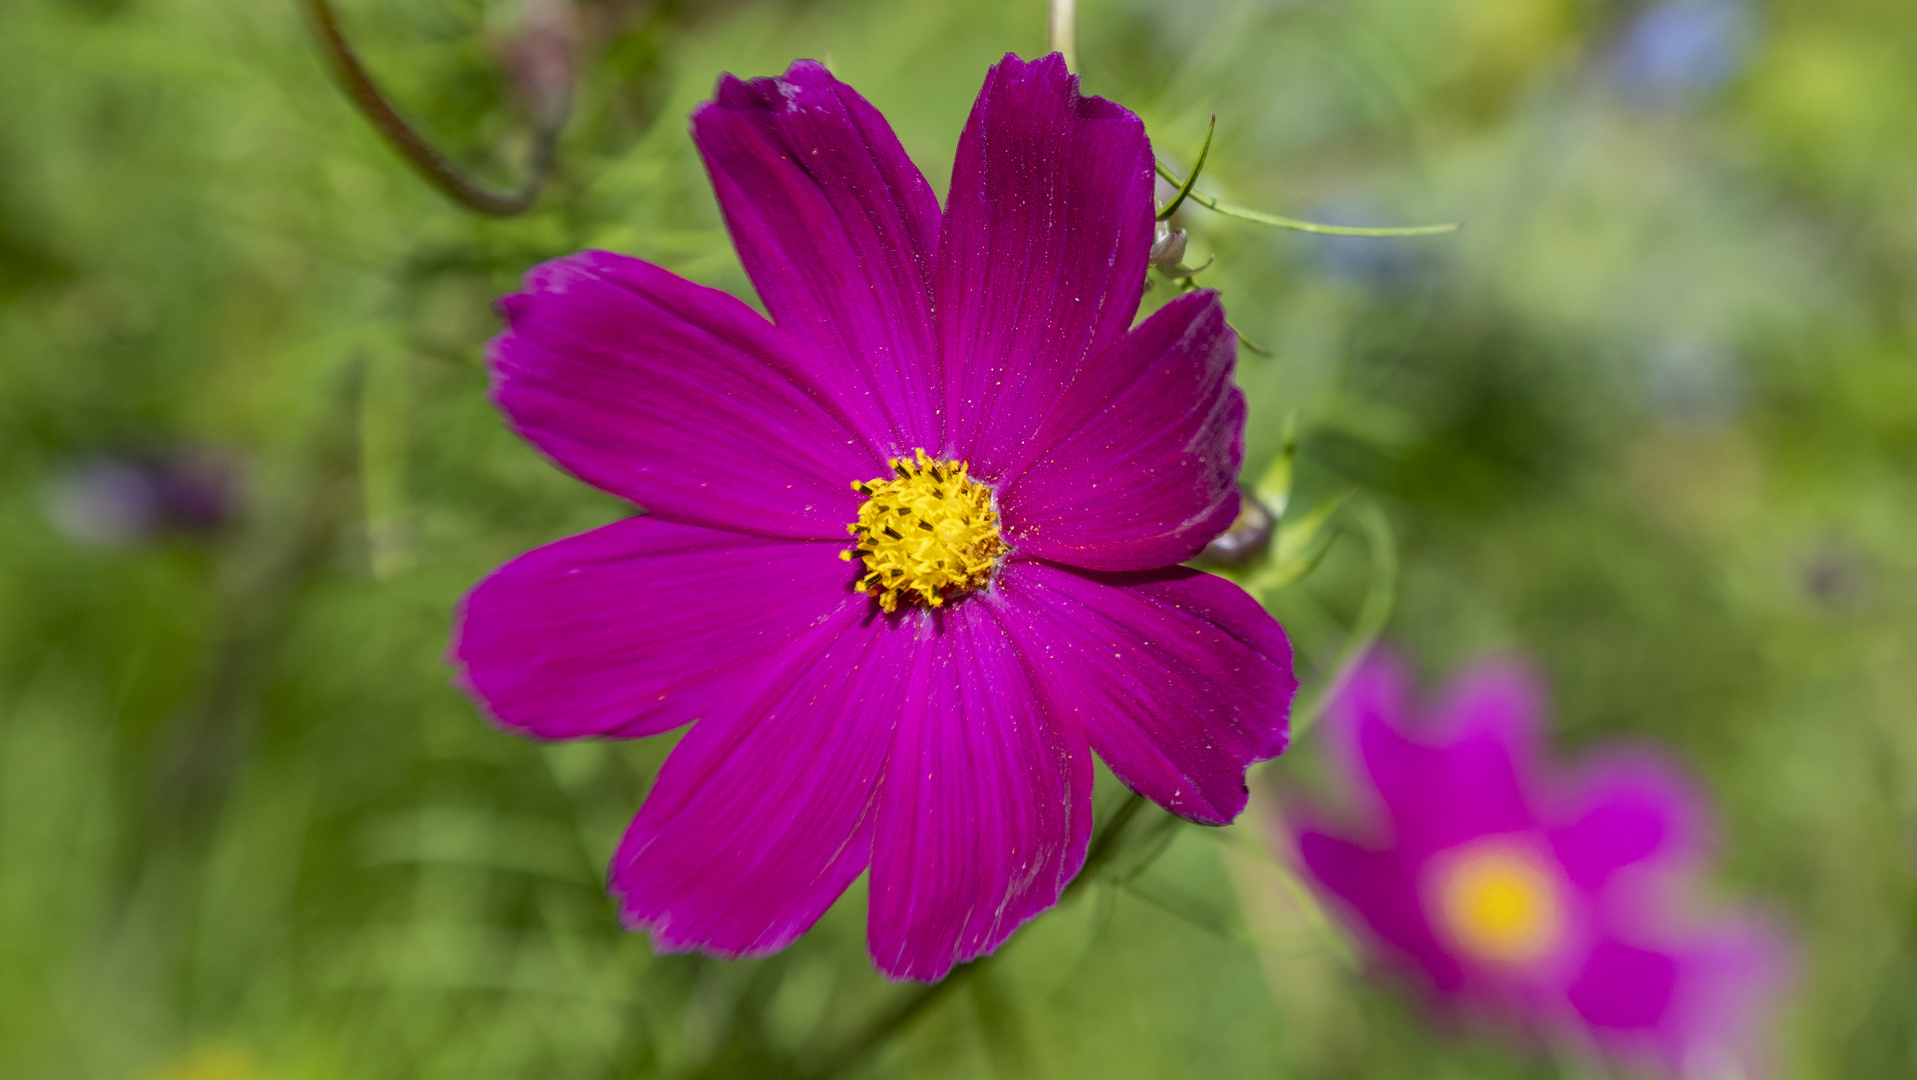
(1050, 71)
(769, 93)
(836, 227)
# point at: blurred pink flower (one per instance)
(1557, 901)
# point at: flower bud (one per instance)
(1168, 248)
(1248, 536)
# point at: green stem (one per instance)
(1380, 597)
(1106, 845)
(915, 1002)
(1063, 30)
(429, 163)
(1227, 209)
(900, 1016)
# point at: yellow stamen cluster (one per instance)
(927, 533)
(1500, 905)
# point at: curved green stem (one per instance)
(1380, 597)
(900, 1016)
(1184, 189)
(1106, 845)
(1227, 209)
(429, 163)
(915, 1002)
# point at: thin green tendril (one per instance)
(1227, 209)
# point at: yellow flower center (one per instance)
(927, 533)
(1500, 905)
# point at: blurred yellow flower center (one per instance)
(927, 533)
(1500, 906)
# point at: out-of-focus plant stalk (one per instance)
(283, 549)
(1380, 598)
(916, 1002)
(1064, 22)
(550, 106)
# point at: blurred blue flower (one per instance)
(1694, 384)
(1381, 262)
(1680, 50)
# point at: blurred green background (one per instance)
(1650, 418)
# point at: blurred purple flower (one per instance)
(1681, 49)
(1508, 889)
(121, 500)
(1022, 604)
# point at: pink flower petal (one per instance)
(838, 230)
(675, 396)
(985, 809)
(1623, 986)
(1378, 890)
(1628, 808)
(763, 814)
(1179, 678)
(1138, 466)
(1463, 776)
(1729, 979)
(630, 629)
(1048, 228)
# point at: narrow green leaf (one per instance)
(1184, 189)
(1296, 539)
(1274, 488)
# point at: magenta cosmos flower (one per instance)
(1560, 901)
(1019, 471)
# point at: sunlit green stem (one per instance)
(1064, 21)
(1219, 206)
(1380, 597)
